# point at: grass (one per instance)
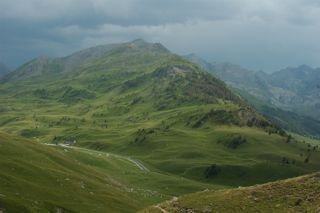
(293, 195)
(149, 105)
(310, 140)
(37, 177)
(190, 153)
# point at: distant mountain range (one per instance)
(291, 96)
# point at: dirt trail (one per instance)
(133, 161)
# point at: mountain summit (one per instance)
(42, 65)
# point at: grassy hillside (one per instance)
(37, 177)
(293, 195)
(288, 97)
(140, 101)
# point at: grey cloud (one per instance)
(152, 12)
(257, 34)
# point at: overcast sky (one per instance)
(257, 34)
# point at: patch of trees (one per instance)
(30, 132)
(217, 116)
(65, 120)
(165, 126)
(71, 95)
(42, 93)
(99, 115)
(66, 94)
(310, 149)
(249, 118)
(233, 142)
(60, 139)
(257, 122)
(307, 159)
(141, 136)
(289, 138)
(133, 83)
(281, 132)
(276, 130)
(212, 171)
(285, 160)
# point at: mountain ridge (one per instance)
(294, 90)
(75, 60)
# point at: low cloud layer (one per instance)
(264, 35)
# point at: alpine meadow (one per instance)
(111, 123)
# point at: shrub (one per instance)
(212, 171)
(234, 142)
(289, 138)
(30, 133)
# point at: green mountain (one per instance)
(289, 97)
(41, 178)
(157, 112)
(292, 195)
(36, 177)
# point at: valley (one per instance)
(36, 177)
(145, 125)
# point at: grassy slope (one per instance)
(160, 109)
(293, 195)
(36, 177)
(255, 88)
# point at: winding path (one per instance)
(136, 163)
